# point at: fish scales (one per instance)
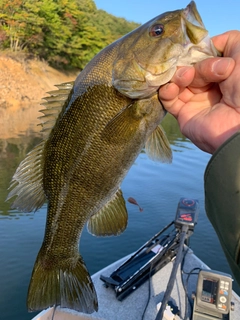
(93, 131)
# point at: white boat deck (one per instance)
(132, 307)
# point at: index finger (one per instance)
(227, 42)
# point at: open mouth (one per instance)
(190, 13)
(196, 36)
(192, 25)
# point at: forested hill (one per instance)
(63, 33)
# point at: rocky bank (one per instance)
(23, 83)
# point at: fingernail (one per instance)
(167, 86)
(220, 66)
(181, 71)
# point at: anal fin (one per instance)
(111, 219)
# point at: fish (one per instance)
(93, 130)
(133, 201)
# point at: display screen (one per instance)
(209, 290)
(185, 216)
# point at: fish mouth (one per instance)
(190, 13)
(196, 45)
(196, 36)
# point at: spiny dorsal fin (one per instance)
(54, 104)
(111, 219)
(157, 146)
(27, 182)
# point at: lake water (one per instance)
(157, 188)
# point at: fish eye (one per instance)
(156, 30)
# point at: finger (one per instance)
(168, 92)
(227, 43)
(174, 98)
(168, 95)
(220, 41)
(204, 72)
(183, 76)
(212, 70)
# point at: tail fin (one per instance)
(70, 288)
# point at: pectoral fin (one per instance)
(111, 219)
(157, 146)
(122, 128)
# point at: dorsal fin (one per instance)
(27, 182)
(54, 104)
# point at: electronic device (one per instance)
(187, 213)
(212, 299)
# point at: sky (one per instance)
(218, 16)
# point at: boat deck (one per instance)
(133, 306)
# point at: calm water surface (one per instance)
(156, 187)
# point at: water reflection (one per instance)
(177, 140)
(12, 152)
(20, 118)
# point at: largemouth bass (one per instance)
(93, 130)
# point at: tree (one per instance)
(64, 32)
(19, 25)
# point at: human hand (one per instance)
(205, 98)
